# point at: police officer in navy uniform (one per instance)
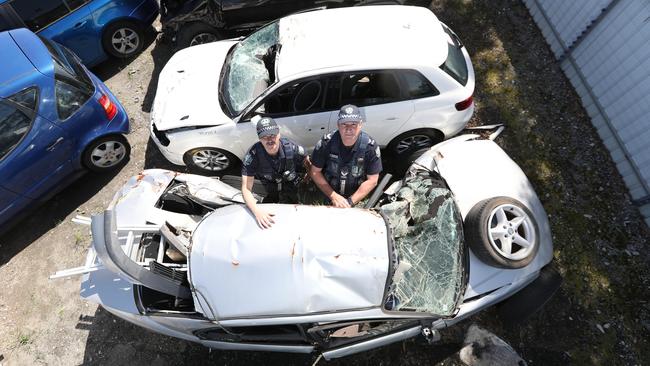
(278, 163)
(346, 164)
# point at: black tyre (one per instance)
(520, 306)
(196, 33)
(123, 39)
(409, 142)
(502, 232)
(106, 153)
(210, 161)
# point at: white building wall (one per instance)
(604, 49)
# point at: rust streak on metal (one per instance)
(293, 250)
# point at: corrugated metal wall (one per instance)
(604, 49)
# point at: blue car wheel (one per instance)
(123, 39)
(106, 153)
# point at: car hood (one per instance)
(313, 259)
(188, 88)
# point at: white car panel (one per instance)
(305, 129)
(357, 37)
(384, 120)
(187, 93)
(307, 262)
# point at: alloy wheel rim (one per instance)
(511, 232)
(211, 160)
(414, 142)
(125, 41)
(108, 154)
(202, 38)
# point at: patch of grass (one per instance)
(24, 339)
(79, 238)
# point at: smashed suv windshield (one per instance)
(428, 269)
(248, 74)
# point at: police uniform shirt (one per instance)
(251, 163)
(372, 157)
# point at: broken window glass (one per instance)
(248, 76)
(428, 243)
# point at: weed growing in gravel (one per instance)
(24, 339)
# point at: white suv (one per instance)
(407, 71)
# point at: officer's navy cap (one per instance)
(266, 127)
(350, 113)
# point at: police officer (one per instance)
(346, 164)
(278, 163)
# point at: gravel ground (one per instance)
(600, 316)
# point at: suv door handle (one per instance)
(79, 25)
(391, 118)
(55, 144)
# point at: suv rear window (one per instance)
(73, 86)
(455, 64)
(417, 86)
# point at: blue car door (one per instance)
(35, 152)
(68, 22)
(10, 204)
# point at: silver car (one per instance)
(181, 255)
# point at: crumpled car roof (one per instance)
(313, 259)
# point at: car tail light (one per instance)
(109, 107)
(461, 106)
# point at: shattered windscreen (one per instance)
(247, 75)
(426, 225)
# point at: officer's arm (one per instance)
(263, 218)
(246, 187)
(318, 178)
(365, 188)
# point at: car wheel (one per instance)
(210, 161)
(196, 33)
(106, 153)
(409, 142)
(502, 232)
(123, 39)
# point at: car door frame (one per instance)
(20, 200)
(275, 88)
(403, 98)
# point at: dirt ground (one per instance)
(600, 316)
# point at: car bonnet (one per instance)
(314, 259)
(188, 87)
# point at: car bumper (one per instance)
(169, 154)
(463, 117)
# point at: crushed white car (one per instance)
(409, 73)
(181, 255)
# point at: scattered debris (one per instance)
(482, 348)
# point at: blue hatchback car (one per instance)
(93, 29)
(56, 118)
